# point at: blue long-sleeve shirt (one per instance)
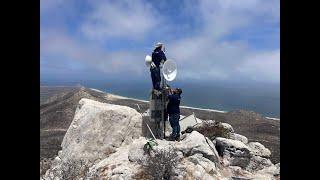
(174, 103)
(157, 56)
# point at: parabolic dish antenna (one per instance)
(148, 60)
(169, 70)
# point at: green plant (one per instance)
(150, 144)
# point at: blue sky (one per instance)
(210, 40)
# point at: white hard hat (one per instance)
(159, 44)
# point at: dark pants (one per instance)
(174, 122)
(155, 77)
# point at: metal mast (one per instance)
(163, 103)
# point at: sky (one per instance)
(210, 40)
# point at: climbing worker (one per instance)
(158, 57)
(173, 111)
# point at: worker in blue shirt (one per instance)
(173, 111)
(158, 57)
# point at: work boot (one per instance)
(171, 138)
(177, 138)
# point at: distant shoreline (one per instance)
(204, 109)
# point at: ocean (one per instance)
(264, 100)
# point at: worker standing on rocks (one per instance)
(173, 110)
(158, 57)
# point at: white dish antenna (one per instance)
(148, 60)
(169, 70)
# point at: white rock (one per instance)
(238, 171)
(196, 143)
(228, 143)
(273, 170)
(214, 150)
(239, 137)
(235, 153)
(98, 129)
(194, 171)
(227, 126)
(213, 129)
(188, 121)
(136, 151)
(116, 166)
(257, 163)
(259, 149)
(205, 163)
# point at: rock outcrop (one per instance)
(251, 157)
(213, 129)
(259, 149)
(105, 141)
(196, 143)
(96, 131)
(186, 159)
(239, 137)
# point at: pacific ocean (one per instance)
(263, 99)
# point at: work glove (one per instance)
(153, 65)
(161, 63)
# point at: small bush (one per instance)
(69, 170)
(161, 164)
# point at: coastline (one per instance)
(204, 109)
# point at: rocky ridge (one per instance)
(106, 141)
(58, 106)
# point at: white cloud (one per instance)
(60, 45)
(47, 5)
(204, 54)
(200, 57)
(261, 66)
(221, 17)
(124, 19)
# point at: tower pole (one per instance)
(163, 104)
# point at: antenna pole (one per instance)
(163, 104)
(164, 107)
(155, 139)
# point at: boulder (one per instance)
(195, 143)
(194, 171)
(239, 173)
(136, 151)
(117, 165)
(235, 153)
(250, 157)
(231, 146)
(212, 129)
(205, 163)
(214, 150)
(188, 121)
(259, 149)
(258, 163)
(239, 137)
(98, 129)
